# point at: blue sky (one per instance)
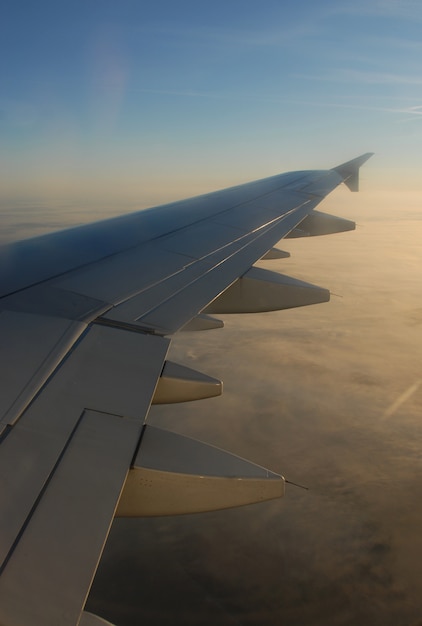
(149, 100)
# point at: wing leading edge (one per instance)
(86, 317)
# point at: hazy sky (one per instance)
(142, 101)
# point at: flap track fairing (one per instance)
(203, 322)
(275, 253)
(262, 290)
(174, 475)
(317, 223)
(179, 383)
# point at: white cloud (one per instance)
(366, 77)
(404, 9)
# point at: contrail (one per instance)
(402, 398)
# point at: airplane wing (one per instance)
(86, 319)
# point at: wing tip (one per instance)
(349, 171)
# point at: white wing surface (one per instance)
(86, 319)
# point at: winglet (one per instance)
(349, 171)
